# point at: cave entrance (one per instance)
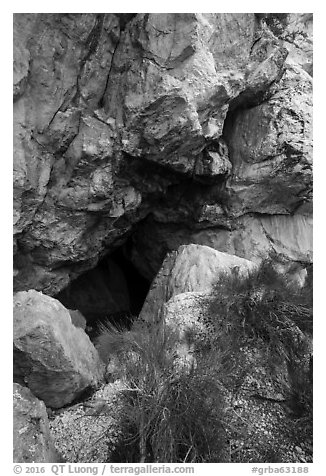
(113, 291)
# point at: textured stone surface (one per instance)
(190, 268)
(257, 385)
(32, 441)
(77, 319)
(251, 237)
(199, 121)
(77, 431)
(52, 357)
(271, 150)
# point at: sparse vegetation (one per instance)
(267, 311)
(165, 410)
(176, 413)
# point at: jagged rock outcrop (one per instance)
(52, 357)
(32, 442)
(196, 122)
(191, 268)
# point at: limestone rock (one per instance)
(197, 120)
(193, 316)
(52, 357)
(181, 62)
(252, 237)
(270, 147)
(32, 440)
(190, 268)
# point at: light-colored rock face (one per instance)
(200, 121)
(191, 268)
(55, 359)
(253, 237)
(32, 442)
(173, 77)
(271, 150)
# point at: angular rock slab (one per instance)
(56, 360)
(254, 237)
(191, 268)
(32, 440)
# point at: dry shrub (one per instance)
(266, 310)
(168, 415)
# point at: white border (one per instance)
(319, 186)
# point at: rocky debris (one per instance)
(119, 118)
(186, 312)
(263, 431)
(87, 432)
(32, 440)
(263, 418)
(190, 268)
(56, 360)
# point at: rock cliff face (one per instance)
(166, 128)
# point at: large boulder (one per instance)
(190, 268)
(253, 237)
(32, 440)
(55, 359)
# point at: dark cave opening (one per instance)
(138, 285)
(114, 291)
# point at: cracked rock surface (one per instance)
(31, 433)
(191, 127)
(55, 359)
